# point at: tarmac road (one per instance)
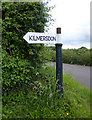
(79, 73)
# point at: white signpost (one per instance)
(40, 38)
(43, 38)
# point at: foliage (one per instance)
(19, 59)
(18, 19)
(50, 54)
(29, 91)
(16, 73)
(44, 102)
(81, 56)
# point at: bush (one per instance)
(81, 56)
(49, 54)
(20, 60)
(16, 73)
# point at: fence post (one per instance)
(59, 65)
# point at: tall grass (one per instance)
(41, 100)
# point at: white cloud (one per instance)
(73, 16)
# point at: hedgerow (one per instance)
(80, 56)
(20, 60)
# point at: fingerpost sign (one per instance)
(40, 38)
(43, 38)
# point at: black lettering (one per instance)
(30, 38)
(44, 38)
(41, 38)
(54, 38)
(51, 39)
(34, 38)
(37, 38)
(48, 38)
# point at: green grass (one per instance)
(43, 101)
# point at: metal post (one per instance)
(59, 66)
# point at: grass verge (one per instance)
(42, 101)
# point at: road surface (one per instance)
(79, 73)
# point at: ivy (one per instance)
(20, 59)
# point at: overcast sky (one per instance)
(73, 16)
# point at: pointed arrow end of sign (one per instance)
(26, 36)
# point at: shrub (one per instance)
(16, 73)
(81, 56)
(20, 60)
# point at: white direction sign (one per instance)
(42, 38)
